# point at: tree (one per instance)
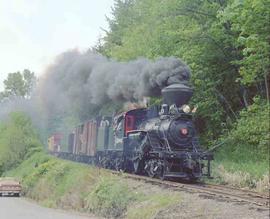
(18, 140)
(19, 84)
(250, 22)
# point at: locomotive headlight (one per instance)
(186, 108)
(184, 131)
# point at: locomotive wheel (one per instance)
(155, 168)
(161, 173)
(193, 179)
(118, 165)
(151, 174)
(138, 165)
(149, 168)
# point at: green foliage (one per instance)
(49, 180)
(59, 183)
(18, 140)
(250, 22)
(105, 198)
(255, 169)
(32, 177)
(155, 101)
(19, 84)
(242, 173)
(249, 139)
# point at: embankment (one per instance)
(63, 184)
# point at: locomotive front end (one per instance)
(184, 157)
(181, 155)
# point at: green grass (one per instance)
(243, 159)
(49, 180)
(255, 169)
(63, 184)
(110, 196)
(245, 172)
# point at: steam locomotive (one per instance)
(159, 141)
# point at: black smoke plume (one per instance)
(78, 84)
(87, 78)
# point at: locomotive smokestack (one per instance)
(178, 94)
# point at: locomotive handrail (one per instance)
(135, 131)
(166, 140)
(214, 147)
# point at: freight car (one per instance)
(54, 142)
(159, 141)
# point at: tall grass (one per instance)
(110, 197)
(242, 173)
(243, 160)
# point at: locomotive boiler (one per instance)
(158, 141)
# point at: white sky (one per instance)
(33, 32)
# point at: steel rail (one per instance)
(206, 190)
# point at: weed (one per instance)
(110, 197)
(151, 205)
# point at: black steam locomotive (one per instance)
(159, 141)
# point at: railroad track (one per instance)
(218, 192)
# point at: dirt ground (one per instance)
(194, 206)
(198, 206)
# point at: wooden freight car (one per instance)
(91, 137)
(83, 139)
(54, 142)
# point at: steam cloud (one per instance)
(77, 84)
(94, 78)
(28, 106)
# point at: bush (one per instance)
(18, 140)
(243, 160)
(110, 197)
(249, 138)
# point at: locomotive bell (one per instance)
(177, 94)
